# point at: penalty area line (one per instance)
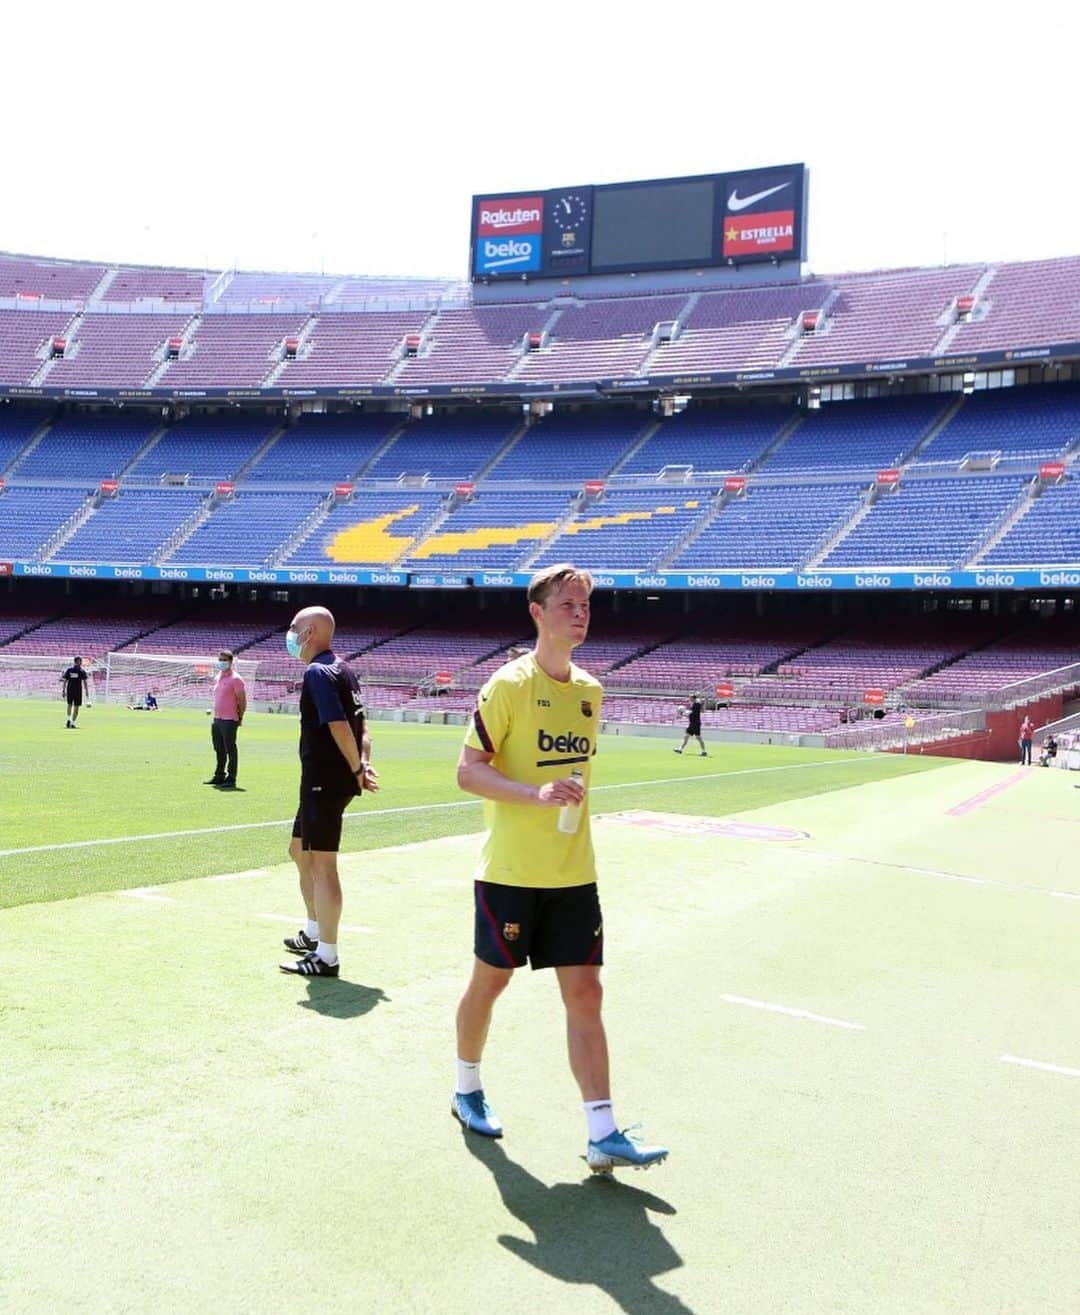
(417, 808)
(804, 1014)
(1043, 1067)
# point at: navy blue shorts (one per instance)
(318, 820)
(560, 928)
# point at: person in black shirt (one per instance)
(335, 766)
(693, 725)
(73, 680)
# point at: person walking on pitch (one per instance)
(528, 755)
(73, 680)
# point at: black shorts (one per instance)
(550, 928)
(74, 697)
(694, 728)
(318, 820)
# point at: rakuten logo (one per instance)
(521, 214)
(566, 743)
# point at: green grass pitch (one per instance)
(852, 1018)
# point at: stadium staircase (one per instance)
(303, 531)
(1015, 512)
(425, 329)
(104, 283)
(214, 292)
(931, 432)
(183, 531)
(525, 562)
(64, 532)
(382, 449)
(31, 443)
(271, 438)
(302, 339)
(152, 442)
(798, 337)
(45, 369)
(435, 522)
(777, 443)
(658, 342)
(544, 330)
(714, 508)
(191, 328)
(840, 531)
(955, 325)
(635, 447)
(516, 435)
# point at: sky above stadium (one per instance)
(350, 139)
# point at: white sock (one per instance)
(468, 1077)
(327, 952)
(600, 1118)
(311, 930)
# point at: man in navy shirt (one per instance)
(335, 766)
(73, 680)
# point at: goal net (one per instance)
(31, 675)
(129, 677)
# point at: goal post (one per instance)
(173, 680)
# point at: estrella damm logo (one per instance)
(565, 743)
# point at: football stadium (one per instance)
(837, 513)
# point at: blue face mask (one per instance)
(222, 666)
(293, 644)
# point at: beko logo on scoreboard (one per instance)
(509, 235)
(521, 214)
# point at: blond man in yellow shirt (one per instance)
(528, 754)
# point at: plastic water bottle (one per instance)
(570, 814)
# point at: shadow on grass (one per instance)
(337, 999)
(596, 1232)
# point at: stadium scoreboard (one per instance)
(658, 224)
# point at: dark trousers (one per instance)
(1025, 752)
(223, 735)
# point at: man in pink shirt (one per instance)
(230, 704)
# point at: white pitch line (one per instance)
(239, 876)
(1037, 1063)
(291, 917)
(793, 1013)
(1065, 894)
(417, 808)
(141, 892)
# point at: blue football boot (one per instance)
(618, 1151)
(476, 1114)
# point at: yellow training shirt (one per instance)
(539, 730)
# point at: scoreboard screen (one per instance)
(650, 225)
(660, 224)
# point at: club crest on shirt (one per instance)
(511, 931)
(586, 708)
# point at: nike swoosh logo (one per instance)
(737, 202)
(598, 930)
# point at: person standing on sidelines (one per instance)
(335, 766)
(1027, 732)
(528, 755)
(230, 704)
(73, 680)
(693, 725)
